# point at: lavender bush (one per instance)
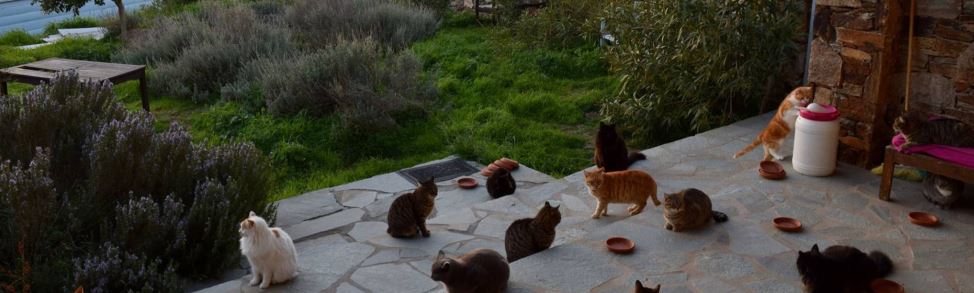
(138, 207)
(355, 78)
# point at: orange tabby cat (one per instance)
(781, 125)
(629, 186)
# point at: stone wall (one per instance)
(859, 60)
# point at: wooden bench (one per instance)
(928, 163)
(45, 70)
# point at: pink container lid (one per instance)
(830, 114)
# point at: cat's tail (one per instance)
(718, 216)
(883, 263)
(636, 156)
(748, 148)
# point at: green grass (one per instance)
(74, 22)
(497, 98)
(18, 37)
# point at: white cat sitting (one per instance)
(270, 252)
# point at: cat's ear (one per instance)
(253, 214)
(657, 288)
(639, 284)
(814, 249)
(547, 204)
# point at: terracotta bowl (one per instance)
(505, 164)
(467, 183)
(514, 164)
(787, 224)
(772, 176)
(924, 219)
(772, 167)
(886, 286)
(620, 245)
(489, 170)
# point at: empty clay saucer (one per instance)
(787, 224)
(771, 170)
(923, 219)
(886, 286)
(467, 183)
(620, 245)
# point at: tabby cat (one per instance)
(528, 236)
(610, 150)
(942, 191)
(841, 269)
(501, 183)
(689, 209)
(479, 271)
(630, 186)
(943, 131)
(781, 124)
(409, 211)
(641, 289)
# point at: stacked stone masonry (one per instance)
(858, 58)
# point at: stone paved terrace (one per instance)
(343, 247)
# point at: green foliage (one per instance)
(693, 65)
(562, 24)
(366, 87)
(74, 22)
(392, 24)
(18, 37)
(71, 48)
(85, 219)
(504, 98)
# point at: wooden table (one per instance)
(928, 163)
(44, 70)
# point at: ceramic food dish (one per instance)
(924, 219)
(467, 183)
(787, 224)
(620, 245)
(886, 286)
(771, 170)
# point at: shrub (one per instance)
(197, 53)
(18, 37)
(562, 24)
(680, 75)
(111, 269)
(153, 205)
(392, 24)
(354, 78)
(74, 22)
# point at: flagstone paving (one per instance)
(343, 247)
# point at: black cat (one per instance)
(841, 269)
(501, 183)
(610, 150)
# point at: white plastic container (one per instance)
(816, 141)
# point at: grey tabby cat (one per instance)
(942, 191)
(689, 209)
(528, 236)
(943, 131)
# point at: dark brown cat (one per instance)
(501, 183)
(841, 269)
(479, 271)
(641, 289)
(689, 209)
(610, 150)
(409, 211)
(918, 130)
(528, 236)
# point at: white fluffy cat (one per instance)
(270, 252)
